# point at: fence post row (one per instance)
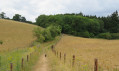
(96, 65)
(73, 61)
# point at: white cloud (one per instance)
(32, 8)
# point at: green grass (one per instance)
(15, 57)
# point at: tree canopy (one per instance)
(82, 25)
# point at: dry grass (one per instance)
(86, 50)
(15, 34)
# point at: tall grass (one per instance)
(85, 51)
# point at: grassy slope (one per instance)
(15, 34)
(86, 50)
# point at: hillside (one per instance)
(15, 34)
(86, 50)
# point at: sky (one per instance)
(31, 9)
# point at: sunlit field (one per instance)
(86, 50)
(15, 34)
(17, 38)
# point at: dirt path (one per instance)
(42, 64)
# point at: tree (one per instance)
(17, 17)
(2, 15)
(115, 22)
(42, 20)
(23, 19)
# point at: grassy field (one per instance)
(17, 39)
(15, 34)
(86, 50)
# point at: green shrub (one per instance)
(92, 35)
(41, 38)
(105, 35)
(1, 42)
(85, 34)
(47, 35)
(115, 35)
(38, 33)
(44, 35)
(55, 30)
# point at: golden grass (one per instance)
(86, 50)
(15, 34)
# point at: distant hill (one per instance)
(15, 34)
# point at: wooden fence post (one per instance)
(64, 58)
(22, 63)
(73, 61)
(11, 67)
(52, 47)
(27, 58)
(96, 65)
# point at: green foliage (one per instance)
(38, 32)
(44, 35)
(84, 34)
(105, 35)
(47, 35)
(55, 30)
(18, 17)
(70, 23)
(2, 15)
(115, 35)
(77, 24)
(1, 42)
(92, 35)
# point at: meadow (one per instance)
(18, 43)
(17, 38)
(15, 34)
(85, 51)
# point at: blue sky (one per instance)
(33, 8)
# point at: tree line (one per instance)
(16, 17)
(83, 25)
(77, 24)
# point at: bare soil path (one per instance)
(42, 64)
